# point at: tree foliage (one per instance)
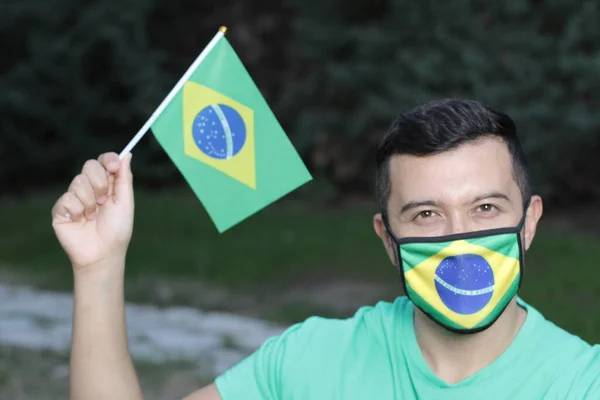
(356, 65)
(79, 78)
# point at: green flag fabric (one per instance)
(223, 137)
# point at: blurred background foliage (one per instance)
(77, 81)
(80, 77)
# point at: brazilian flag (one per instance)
(221, 134)
(463, 283)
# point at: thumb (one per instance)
(124, 181)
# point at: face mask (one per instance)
(462, 282)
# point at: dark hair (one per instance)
(443, 125)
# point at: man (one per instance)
(457, 216)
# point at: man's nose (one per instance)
(457, 224)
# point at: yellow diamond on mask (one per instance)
(464, 281)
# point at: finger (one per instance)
(82, 188)
(110, 161)
(123, 186)
(111, 185)
(67, 207)
(98, 177)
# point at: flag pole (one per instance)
(173, 92)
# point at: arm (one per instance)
(100, 359)
(93, 222)
(101, 366)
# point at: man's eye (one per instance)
(425, 214)
(486, 208)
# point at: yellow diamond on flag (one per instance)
(219, 132)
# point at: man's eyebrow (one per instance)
(432, 203)
(491, 195)
(414, 204)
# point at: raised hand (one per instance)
(93, 220)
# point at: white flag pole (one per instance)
(173, 92)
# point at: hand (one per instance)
(93, 220)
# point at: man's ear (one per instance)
(385, 237)
(534, 213)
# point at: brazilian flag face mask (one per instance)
(462, 282)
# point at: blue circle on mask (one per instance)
(465, 283)
(219, 131)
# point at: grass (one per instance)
(286, 245)
(174, 236)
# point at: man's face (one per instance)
(467, 189)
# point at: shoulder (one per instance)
(368, 322)
(584, 382)
(554, 339)
(323, 347)
(311, 354)
(574, 362)
(324, 350)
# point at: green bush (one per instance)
(355, 66)
(79, 79)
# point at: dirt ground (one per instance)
(27, 374)
(42, 375)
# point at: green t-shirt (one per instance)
(375, 355)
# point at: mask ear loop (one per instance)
(524, 217)
(394, 240)
(522, 245)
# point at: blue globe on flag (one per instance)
(465, 283)
(219, 131)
